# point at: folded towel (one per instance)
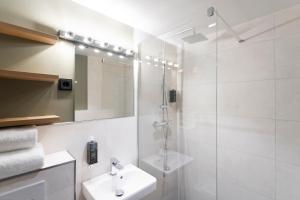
(17, 138)
(21, 161)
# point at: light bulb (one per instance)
(129, 52)
(81, 46)
(96, 50)
(109, 54)
(117, 49)
(87, 40)
(68, 35)
(103, 45)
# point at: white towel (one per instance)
(18, 138)
(21, 161)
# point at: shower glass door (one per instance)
(197, 124)
(157, 120)
(177, 106)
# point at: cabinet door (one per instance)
(53, 183)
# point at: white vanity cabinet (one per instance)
(55, 181)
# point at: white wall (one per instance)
(258, 104)
(116, 137)
(51, 15)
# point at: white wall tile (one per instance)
(199, 98)
(233, 191)
(287, 57)
(255, 173)
(288, 181)
(248, 99)
(288, 99)
(246, 63)
(200, 175)
(199, 69)
(288, 71)
(200, 128)
(288, 142)
(248, 135)
(287, 52)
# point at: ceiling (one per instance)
(166, 17)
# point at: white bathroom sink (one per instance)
(133, 181)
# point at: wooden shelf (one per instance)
(24, 33)
(35, 120)
(7, 74)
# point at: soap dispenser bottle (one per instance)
(92, 152)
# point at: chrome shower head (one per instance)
(196, 37)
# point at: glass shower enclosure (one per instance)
(218, 104)
(177, 113)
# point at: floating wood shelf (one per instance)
(35, 120)
(24, 33)
(7, 74)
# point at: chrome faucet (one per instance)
(115, 166)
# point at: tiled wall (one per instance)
(258, 112)
(287, 62)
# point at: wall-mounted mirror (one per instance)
(104, 85)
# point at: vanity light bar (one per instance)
(90, 42)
